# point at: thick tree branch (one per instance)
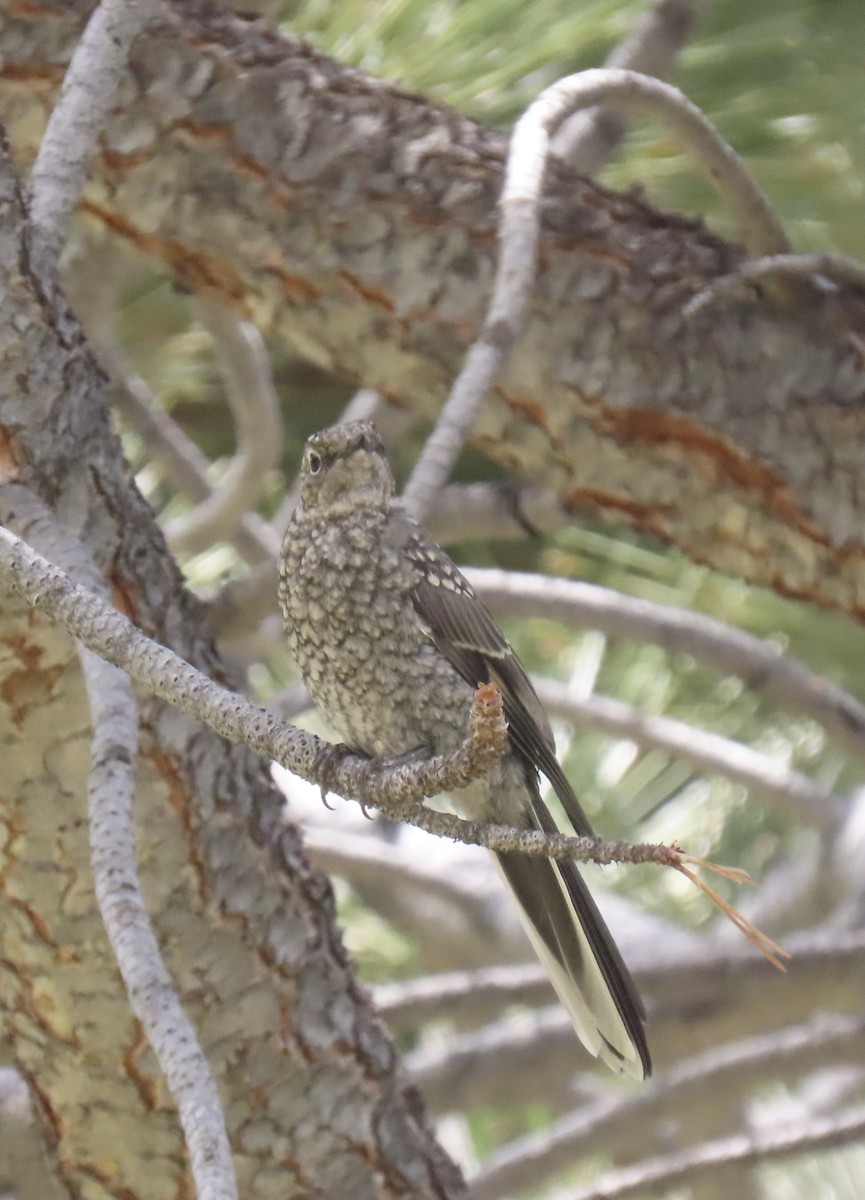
(730, 438)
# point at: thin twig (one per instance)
(774, 781)
(254, 406)
(78, 119)
(519, 228)
(395, 788)
(761, 665)
(823, 269)
(111, 791)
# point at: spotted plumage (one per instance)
(391, 641)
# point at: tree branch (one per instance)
(519, 229)
(818, 269)
(784, 1054)
(761, 665)
(76, 122)
(588, 140)
(777, 783)
(254, 407)
(111, 791)
(686, 1168)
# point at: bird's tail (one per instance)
(577, 949)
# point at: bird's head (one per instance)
(344, 469)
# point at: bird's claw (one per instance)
(329, 759)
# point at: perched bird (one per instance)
(392, 641)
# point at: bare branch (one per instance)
(111, 790)
(761, 665)
(78, 118)
(785, 1054)
(185, 465)
(774, 781)
(519, 227)
(821, 269)
(659, 1174)
(255, 408)
(823, 958)
(461, 994)
(588, 140)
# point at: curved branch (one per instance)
(588, 139)
(519, 228)
(815, 268)
(254, 407)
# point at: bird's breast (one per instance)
(352, 628)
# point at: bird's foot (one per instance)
(329, 760)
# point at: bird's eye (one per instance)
(313, 462)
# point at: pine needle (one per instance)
(767, 947)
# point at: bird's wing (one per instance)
(562, 919)
(462, 628)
